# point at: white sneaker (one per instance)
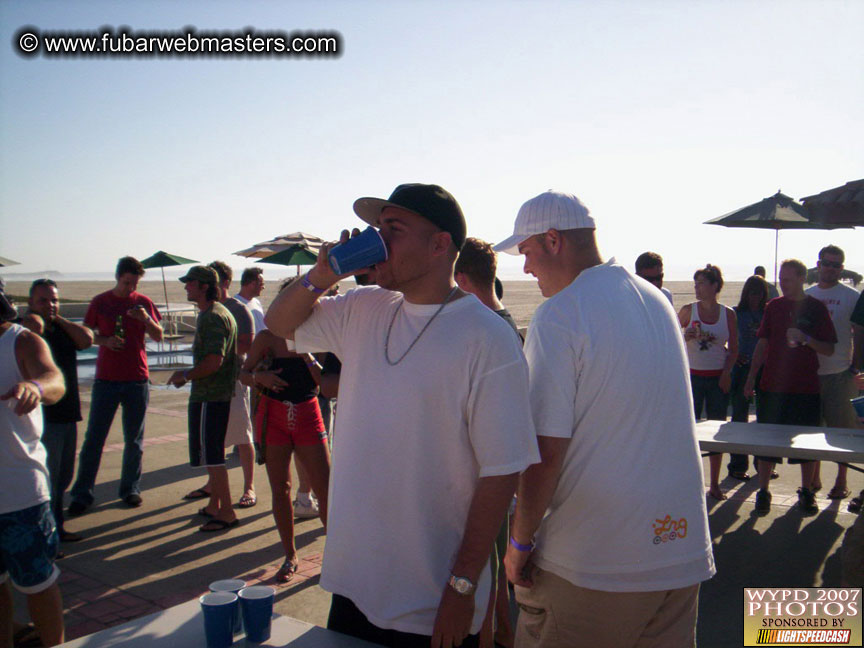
(305, 509)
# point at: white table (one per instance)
(842, 445)
(182, 626)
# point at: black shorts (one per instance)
(788, 409)
(208, 423)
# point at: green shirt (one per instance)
(216, 333)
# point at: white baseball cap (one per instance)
(549, 210)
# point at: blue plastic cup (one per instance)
(218, 609)
(257, 605)
(858, 404)
(232, 585)
(362, 251)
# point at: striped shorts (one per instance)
(208, 423)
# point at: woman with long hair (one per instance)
(711, 336)
(288, 419)
(749, 311)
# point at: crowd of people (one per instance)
(797, 355)
(499, 461)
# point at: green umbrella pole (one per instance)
(165, 288)
(776, 244)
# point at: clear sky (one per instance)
(659, 115)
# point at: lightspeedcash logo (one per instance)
(802, 616)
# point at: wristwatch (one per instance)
(462, 585)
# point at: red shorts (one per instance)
(294, 424)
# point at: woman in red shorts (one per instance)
(288, 419)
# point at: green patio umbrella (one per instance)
(162, 260)
(294, 255)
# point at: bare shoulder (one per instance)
(29, 343)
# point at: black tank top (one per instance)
(301, 385)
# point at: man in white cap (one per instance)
(434, 390)
(624, 543)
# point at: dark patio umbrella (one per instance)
(295, 255)
(777, 212)
(162, 260)
(841, 206)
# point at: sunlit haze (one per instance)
(658, 115)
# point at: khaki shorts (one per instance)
(240, 418)
(556, 613)
(836, 392)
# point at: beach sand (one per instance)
(521, 297)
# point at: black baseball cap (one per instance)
(204, 274)
(435, 204)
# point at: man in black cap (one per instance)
(435, 417)
(213, 376)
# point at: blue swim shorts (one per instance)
(28, 547)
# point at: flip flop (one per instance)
(836, 494)
(722, 497)
(204, 513)
(198, 493)
(247, 502)
(26, 636)
(286, 572)
(218, 525)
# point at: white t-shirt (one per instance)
(411, 442)
(840, 302)
(256, 309)
(668, 294)
(609, 371)
(708, 351)
(23, 475)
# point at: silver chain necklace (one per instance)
(393, 363)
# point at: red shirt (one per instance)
(793, 370)
(129, 363)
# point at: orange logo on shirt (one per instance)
(667, 529)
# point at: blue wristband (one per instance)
(308, 285)
(521, 547)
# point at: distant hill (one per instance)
(30, 276)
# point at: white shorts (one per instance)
(240, 418)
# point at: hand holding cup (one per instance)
(795, 337)
(324, 274)
(138, 313)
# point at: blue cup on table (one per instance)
(232, 585)
(858, 404)
(257, 605)
(362, 251)
(219, 609)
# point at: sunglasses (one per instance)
(831, 264)
(653, 279)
